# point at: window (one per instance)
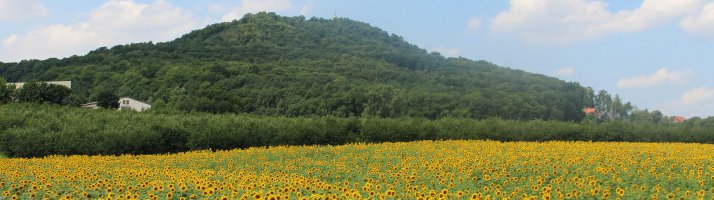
(125, 102)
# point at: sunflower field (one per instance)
(456, 169)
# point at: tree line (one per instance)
(32, 130)
(41, 92)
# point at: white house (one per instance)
(133, 104)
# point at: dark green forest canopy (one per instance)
(291, 66)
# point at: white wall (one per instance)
(129, 103)
(67, 84)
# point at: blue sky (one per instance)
(657, 54)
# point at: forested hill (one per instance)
(271, 65)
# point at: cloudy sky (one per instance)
(658, 54)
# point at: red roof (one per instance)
(679, 119)
(589, 110)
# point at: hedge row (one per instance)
(28, 130)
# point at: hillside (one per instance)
(291, 66)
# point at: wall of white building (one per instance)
(133, 104)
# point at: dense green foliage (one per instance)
(107, 99)
(28, 130)
(38, 92)
(6, 91)
(266, 64)
(74, 100)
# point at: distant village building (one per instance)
(589, 110)
(91, 105)
(133, 104)
(679, 119)
(67, 84)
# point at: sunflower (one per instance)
(391, 193)
(620, 191)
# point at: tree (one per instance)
(609, 108)
(56, 93)
(30, 92)
(74, 100)
(6, 91)
(107, 99)
(657, 117)
(39, 92)
(617, 110)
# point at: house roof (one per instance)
(589, 110)
(679, 119)
(90, 103)
(133, 100)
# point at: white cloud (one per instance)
(473, 24)
(448, 52)
(567, 71)
(252, 6)
(702, 23)
(307, 8)
(662, 76)
(13, 10)
(698, 95)
(114, 22)
(9, 40)
(694, 102)
(564, 21)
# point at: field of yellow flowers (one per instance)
(411, 170)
